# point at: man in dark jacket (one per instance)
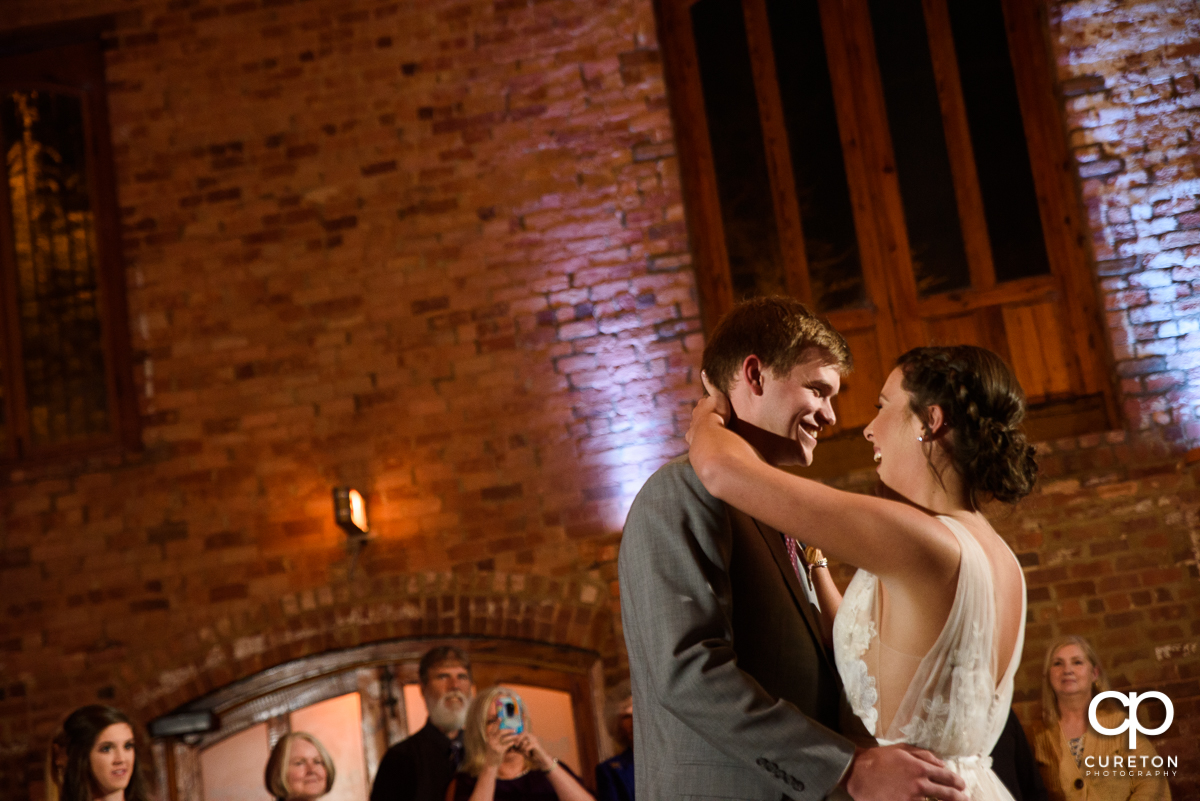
(421, 767)
(614, 777)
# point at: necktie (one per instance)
(793, 549)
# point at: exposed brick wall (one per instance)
(219, 651)
(436, 250)
(1128, 71)
(1111, 540)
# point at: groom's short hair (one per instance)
(778, 330)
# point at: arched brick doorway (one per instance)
(378, 674)
(310, 647)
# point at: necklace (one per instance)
(514, 778)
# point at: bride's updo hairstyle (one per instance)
(983, 405)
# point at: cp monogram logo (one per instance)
(1131, 723)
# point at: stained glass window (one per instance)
(66, 389)
(64, 381)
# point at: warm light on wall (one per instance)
(350, 511)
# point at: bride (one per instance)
(929, 634)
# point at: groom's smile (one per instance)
(793, 407)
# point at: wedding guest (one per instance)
(614, 777)
(421, 767)
(505, 764)
(56, 763)
(1065, 745)
(102, 761)
(299, 769)
(1013, 762)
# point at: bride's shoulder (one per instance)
(976, 527)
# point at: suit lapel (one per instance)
(774, 542)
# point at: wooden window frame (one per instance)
(896, 318)
(70, 58)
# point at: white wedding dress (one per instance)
(954, 706)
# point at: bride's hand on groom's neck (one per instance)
(713, 408)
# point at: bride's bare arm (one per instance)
(830, 599)
(885, 537)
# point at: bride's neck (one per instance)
(945, 497)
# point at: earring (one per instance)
(920, 439)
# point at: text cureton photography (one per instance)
(1131, 765)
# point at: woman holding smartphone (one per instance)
(504, 761)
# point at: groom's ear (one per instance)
(752, 373)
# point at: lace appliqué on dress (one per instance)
(853, 633)
(942, 725)
(955, 704)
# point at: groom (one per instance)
(735, 694)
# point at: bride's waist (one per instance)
(959, 763)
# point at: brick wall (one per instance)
(436, 250)
(1113, 536)
(433, 250)
(1128, 71)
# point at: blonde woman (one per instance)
(299, 769)
(1069, 752)
(508, 764)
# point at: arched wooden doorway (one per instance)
(357, 698)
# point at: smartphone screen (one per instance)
(509, 715)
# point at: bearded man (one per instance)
(421, 767)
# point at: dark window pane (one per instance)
(998, 139)
(4, 443)
(822, 190)
(743, 185)
(919, 142)
(57, 298)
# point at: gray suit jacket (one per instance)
(734, 694)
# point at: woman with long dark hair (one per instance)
(103, 757)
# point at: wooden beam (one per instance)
(958, 145)
(1056, 183)
(778, 150)
(697, 173)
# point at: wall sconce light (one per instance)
(187, 725)
(350, 511)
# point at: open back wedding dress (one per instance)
(954, 705)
